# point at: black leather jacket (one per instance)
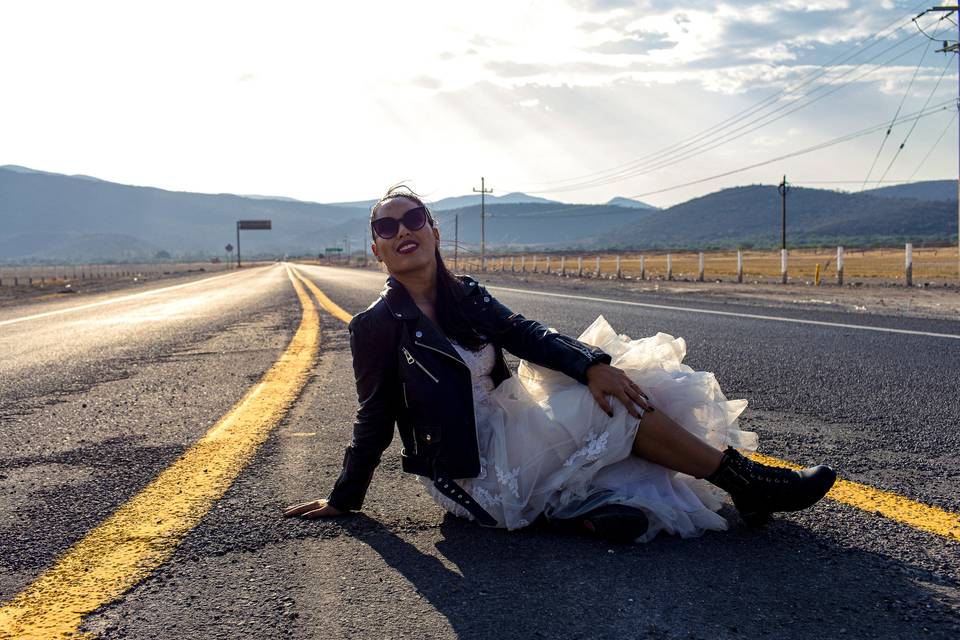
(408, 373)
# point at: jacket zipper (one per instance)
(412, 360)
(443, 353)
(473, 400)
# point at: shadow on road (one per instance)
(784, 581)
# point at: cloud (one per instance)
(510, 69)
(635, 44)
(606, 5)
(426, 82)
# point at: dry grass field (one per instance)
(937, 264)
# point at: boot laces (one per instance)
(772, 475)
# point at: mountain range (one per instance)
(54, 217)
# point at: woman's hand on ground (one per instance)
(604, 380)
(313, 509)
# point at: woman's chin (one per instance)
(406, 263)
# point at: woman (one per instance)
(620, 452)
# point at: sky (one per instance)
(331, 102)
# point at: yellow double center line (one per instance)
(890, 505)
(144, 532)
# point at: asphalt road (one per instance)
(94, 403)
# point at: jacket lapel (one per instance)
(422, 329)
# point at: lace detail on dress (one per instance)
(481, 365)
(485, 499)
(592, 450)
(508, 479)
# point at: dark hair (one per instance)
(453, 322)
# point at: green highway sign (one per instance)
(254, 224)
(334, 249)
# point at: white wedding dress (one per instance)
(546, 447)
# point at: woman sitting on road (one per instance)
(604, 435)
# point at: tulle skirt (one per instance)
(547, 448)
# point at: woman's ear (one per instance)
(373, 249)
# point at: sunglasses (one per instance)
(413, 220)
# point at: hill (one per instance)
(750, 216)
(100, 219)
(54, 217)
(459, 202)
(927, 190)
(627, 202)
(538, 225)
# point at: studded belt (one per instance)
(455, 492)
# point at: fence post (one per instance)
(596, 272)
(739, 265)
(536, 269)
(579, 266)
(669, 267)
(840, 266)
(548, 265)
(643, 267)
(908, 264)
(619, 271)
(563, 265)
(700, 270)
(512, 269)
(783, 266)
(523, 264)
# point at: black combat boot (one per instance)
(617, 523)
(758, 490)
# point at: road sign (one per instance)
(249, 224)
(229, 248)
(253, 224)
(334, 249)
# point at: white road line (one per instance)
(754, 316)
(142, 294)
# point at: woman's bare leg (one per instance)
(661, 440)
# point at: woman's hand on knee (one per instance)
(604, 380)
(313, 509)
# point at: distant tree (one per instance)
(161, 255)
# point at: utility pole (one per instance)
(456, 241)
(949, 46)
(483, 191)
(784, 189)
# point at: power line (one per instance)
(897, 113)
(817, 147)
(713, 130)
(745, 129)
(916, 115)
(857, 181)
(914, 125)
(934, 145)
